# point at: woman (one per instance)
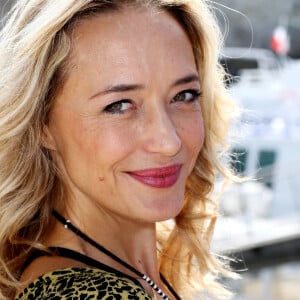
(112, 117)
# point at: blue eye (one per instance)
(118, 107)
(187, 96)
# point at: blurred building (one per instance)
(251, 23)
(5, 5)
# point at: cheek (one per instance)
(105, 145)
(192, 133)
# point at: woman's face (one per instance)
(127, 127)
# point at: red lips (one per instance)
(158, 177)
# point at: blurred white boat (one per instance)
(266, 138)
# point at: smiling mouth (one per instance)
(158, 177)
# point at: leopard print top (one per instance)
(83, 283)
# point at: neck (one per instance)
(125, 264)
(133, 243)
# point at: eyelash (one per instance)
(111, 108)
(195, 94)
(114, 108)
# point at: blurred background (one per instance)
(252, 23)
(260, 219)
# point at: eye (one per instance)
(118, 107)
(187, 96)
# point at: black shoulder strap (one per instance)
(68, 253)
(36, 253)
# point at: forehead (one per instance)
(125, 17)
(135, 38)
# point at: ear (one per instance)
(48, 140)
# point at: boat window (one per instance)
(239, 160)
(266, 163)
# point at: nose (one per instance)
(160, 133)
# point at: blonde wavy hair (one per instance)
(35, 45)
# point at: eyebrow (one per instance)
(133, 87)
(186, 79)
(119, 88)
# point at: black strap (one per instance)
(36, 253)
(68, 253)
(69, 225)
(86, 238)
(168, 285)
(74, 255)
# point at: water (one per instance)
(281, 282)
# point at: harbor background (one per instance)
(260, 226)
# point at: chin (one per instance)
(169, 210)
